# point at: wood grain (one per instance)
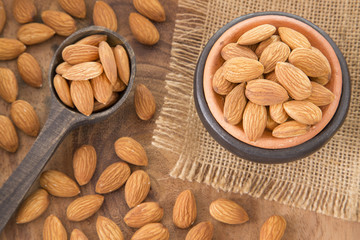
(152, 67)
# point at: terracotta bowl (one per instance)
(269, 149)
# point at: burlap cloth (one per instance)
(327, 182)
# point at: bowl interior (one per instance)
(214, 60)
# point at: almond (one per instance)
(232, 50)
(29, 70)
(2, 15)
(62, 23)
(202, 231)
(122, 63)
(323, 80)
(144, 213)
(143, 30)
(144, 101)
(270, 123)
(82, 96)
(102, 88)
(8, 85)
(275, 52)
(273, 228)
(293, 80)
(75, 8)
(10, 48)
(290, 129)
(100, 106)
(184, 211)
(310, 62)
(322, 56)
(84, 164)
(79, 53)
(264, 44)
(93, 40)
(24, 11)
(320, 95)
(303, 111)
(131, 151)
(119, 86)
(152, 231)
(33, 206)
(84, 71)
(76, 234)
(257, 34)
(107, 59)
(137, 188)
(240, 69)
(63, 91)
(107, 229)
(8, 136)
(293, 38)
(234, 105)
(220, 84)
(84, 207)
(104, 15)
(25, 118)
(62, 68)
(58, 184)
(228, 211)
(265, 92)
(113, 177)
(271, 76)
(254, 120)
(34, 33)
(277, 113)
(151, 9)
(53, 229)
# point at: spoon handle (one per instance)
(18, 184)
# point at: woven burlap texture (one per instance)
(327, 182)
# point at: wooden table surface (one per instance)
(152, 67)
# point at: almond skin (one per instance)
(107, 59)
(277, 113)
(84, 207)
(152, 231)
(320, 95)
(131, 151)
(240, 69)
(202, 231)
(228, 211)
(232, 50)
(119, 86)
(107, 229)
(271, 76)
(82, 96)
(58, 184)
(273, 228)
(79, 53)
(254, 120)
(10, 48)
(270, 123)
(8, 137)
(33, 206)
(143, 30)
(93, 40)
(30, 70)
(137, 188)
(144, 101)
(100, 106)
(234, 105)
(34, 33)
(293, 38)
(184, 211)
(257, 34)
(62, 23)
(275, 52)
(144, 213)
(102, 88)
(63, 91)
(62, 68)
(75, 8)
(104, 15)
(151, 9)
(24, 11)
(122, 63)
(290, 129)
(83, 71)
(25, 117)
(8, 85)
(220, 84)
(113, 177)
(53, 229)
(84, 164)
(76, 234)
(264, 44)
(303, 111)
(323, 80)
(2, 16)
(265, 92)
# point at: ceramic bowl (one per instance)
(269, 149)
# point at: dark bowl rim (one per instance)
(262, 155)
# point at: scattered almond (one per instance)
(202, 231)
(29, 70)
(2, 15)
(151, 9)
(144, 213)
(79, 53)
(102, 88)
(265, 92)
(234, 105)
(75, 8)
(53, 229)
(61, 22)
(232, 50)
(240, 69)
(25, 118)
(274, 53)
(77, 234)
(8, 85)
(34, 33)
(58, 184)
(310, 62)
(107, 59)
(107, 229)
(184, 211)
(8, 136)
(82, 96)
(277, 113)
(131, 151)
(143, 30)
(84, 207)
(293, 38)
(63, 91)
(33, 206)
(137, 188)
(62, 68)
(84, 164)
(122, 63)
(228, 211)
(104, 15)
(93, 40)
(83, 71)
(254, 120)
(113, 177)
(273, 228)
(290, 129)
(264, 44)
(220, 84)
(24, 11)
(144, 101)
(303, 111)
(257, 34)
(152, 231)
(10, 48)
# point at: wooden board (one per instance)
(152, 67)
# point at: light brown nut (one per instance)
(24, 11)
(270, 123)
(107, 59)
(77, 234)
(8, 137)
(257, 34)
(62, 23)
(144, 213)
(53, 229)
(293, 38)
(30, 70)
(240, 69)
(322, 56)
(320, 95)
(63, 91)
(75, 8)
(84, 164)
(131, 151)
(113, 177)
(144, 101)
(151, 9)
(10, 48)
(79, 53)
(152, 231)
(228, 211)
(137, 188)
(265, 92)
(264, 44)
(100, 106)
(104, 15)
(271, 76)
(303, 111)
(8, 85)
(201, 231)
(122, 63)
(290, 129)
(25, 118)
(107, 229)
(58, 184)
(102, 88)
(220, 84)
(277, 113)
(62, 68)
(293, 80)
(184, 211)
(273, 228)
(33, 206)
(84, 207)
(119, 86)
(232, 50)
(93, 40)
(82, 96)
(274, 53)
(234, 105)
(2, 15)
(143, 30)
(34, 33)
(254, 120)
(323, 80)
(83, 71)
